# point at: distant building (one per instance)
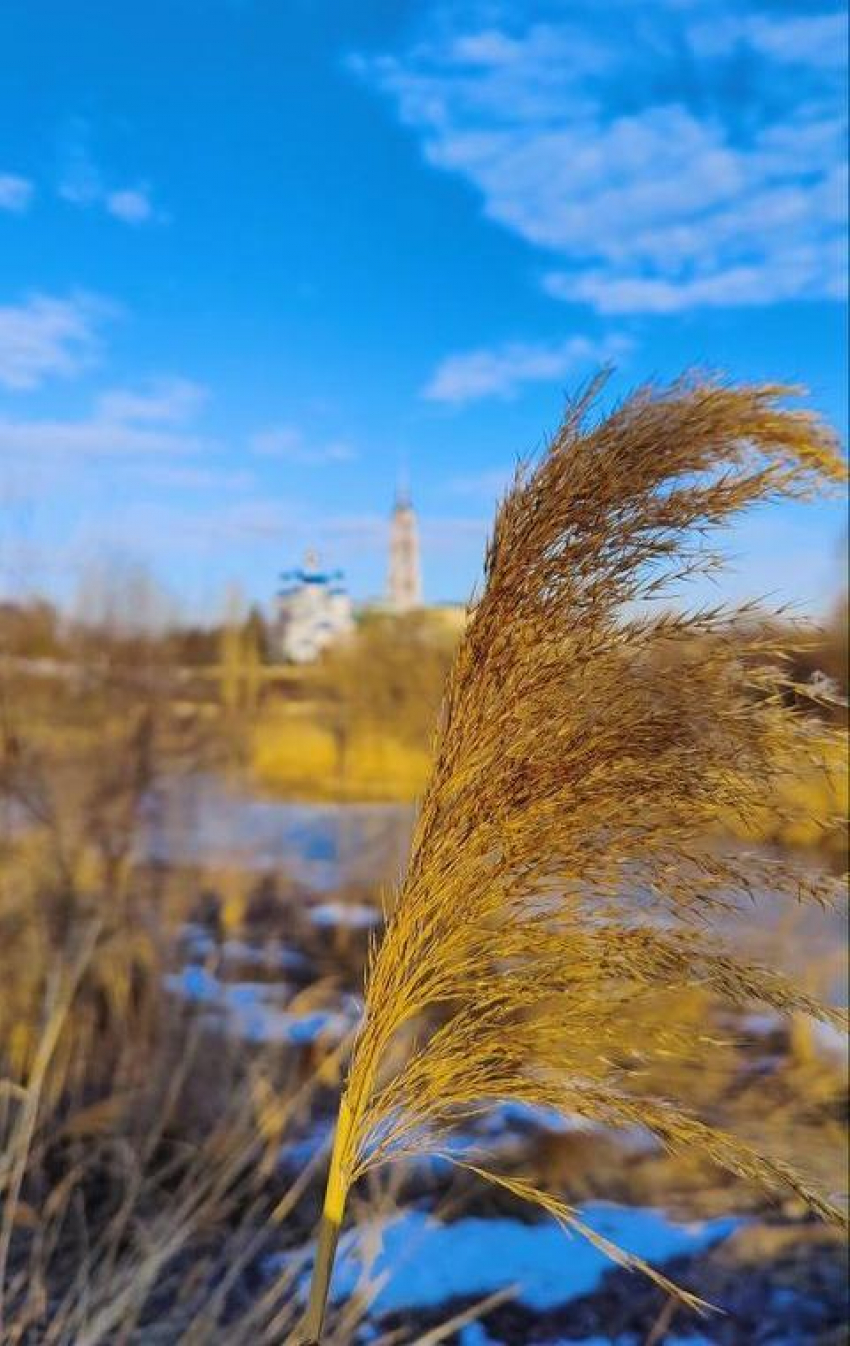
(404, 581)
(313, 611)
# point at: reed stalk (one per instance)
(564, 883)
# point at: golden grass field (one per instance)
(296, 756)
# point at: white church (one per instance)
(314, 609)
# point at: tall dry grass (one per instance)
(138, 1157)
(365, 731)
(563, 879)
(143, 1197)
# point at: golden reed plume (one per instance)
(563, 871)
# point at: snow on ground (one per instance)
(272, 957)
(197, 942)
(476, 1335)
(297, 1154)
(831, 1042)
(521, 1118)
(761, 1023)
(249, 1010)
(427, 1263)
(504, 1130)
(201, 946)
(349, 915)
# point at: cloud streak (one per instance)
(288, 444)
(132, 205)
(93, 438)
(45, 337)
(165, 401)
(674, 157)
(151, 423)
(503, 371)
(83, 184)
(16, 193)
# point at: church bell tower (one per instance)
(404, 587)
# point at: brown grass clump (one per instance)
(562, 875)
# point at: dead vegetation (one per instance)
(562, 878)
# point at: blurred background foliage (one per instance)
(161, 1145)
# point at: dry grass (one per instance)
(801, 816)
(134, 1187)
(366, 731)
(141, 1186)
(134, 1219)
(295, 754)
(562, 879)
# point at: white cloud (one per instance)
(123, 424)
(92, 438)
(803, 271)
(818, 40)
(167, 532)
(196, 478)
(167, 401)
(82, 183)
(489, 484)
(363, 533)
(16, 193)
(248, 520)
(46, 336)
(133, 205)
(289, 444)
(502, 371)
(350, 537)
(666, 156)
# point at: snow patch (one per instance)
(250, 1012)
(348, 915)
(830, 1041)
(272, 956)
(427, 1263)
(297, 1154)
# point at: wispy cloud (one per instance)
(16, 193)
(133, 205)
(488, 484)
(503, 370)
(192, 479)
(804, 38)
(93, 438)
(83, 183)
(47, 336)
(349, 537)
(175, 529)
(165, 401)
(79, 182)
(153, 422)
(289, 444)
(674, 156)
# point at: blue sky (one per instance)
(258, 257)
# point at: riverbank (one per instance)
(294, 754)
